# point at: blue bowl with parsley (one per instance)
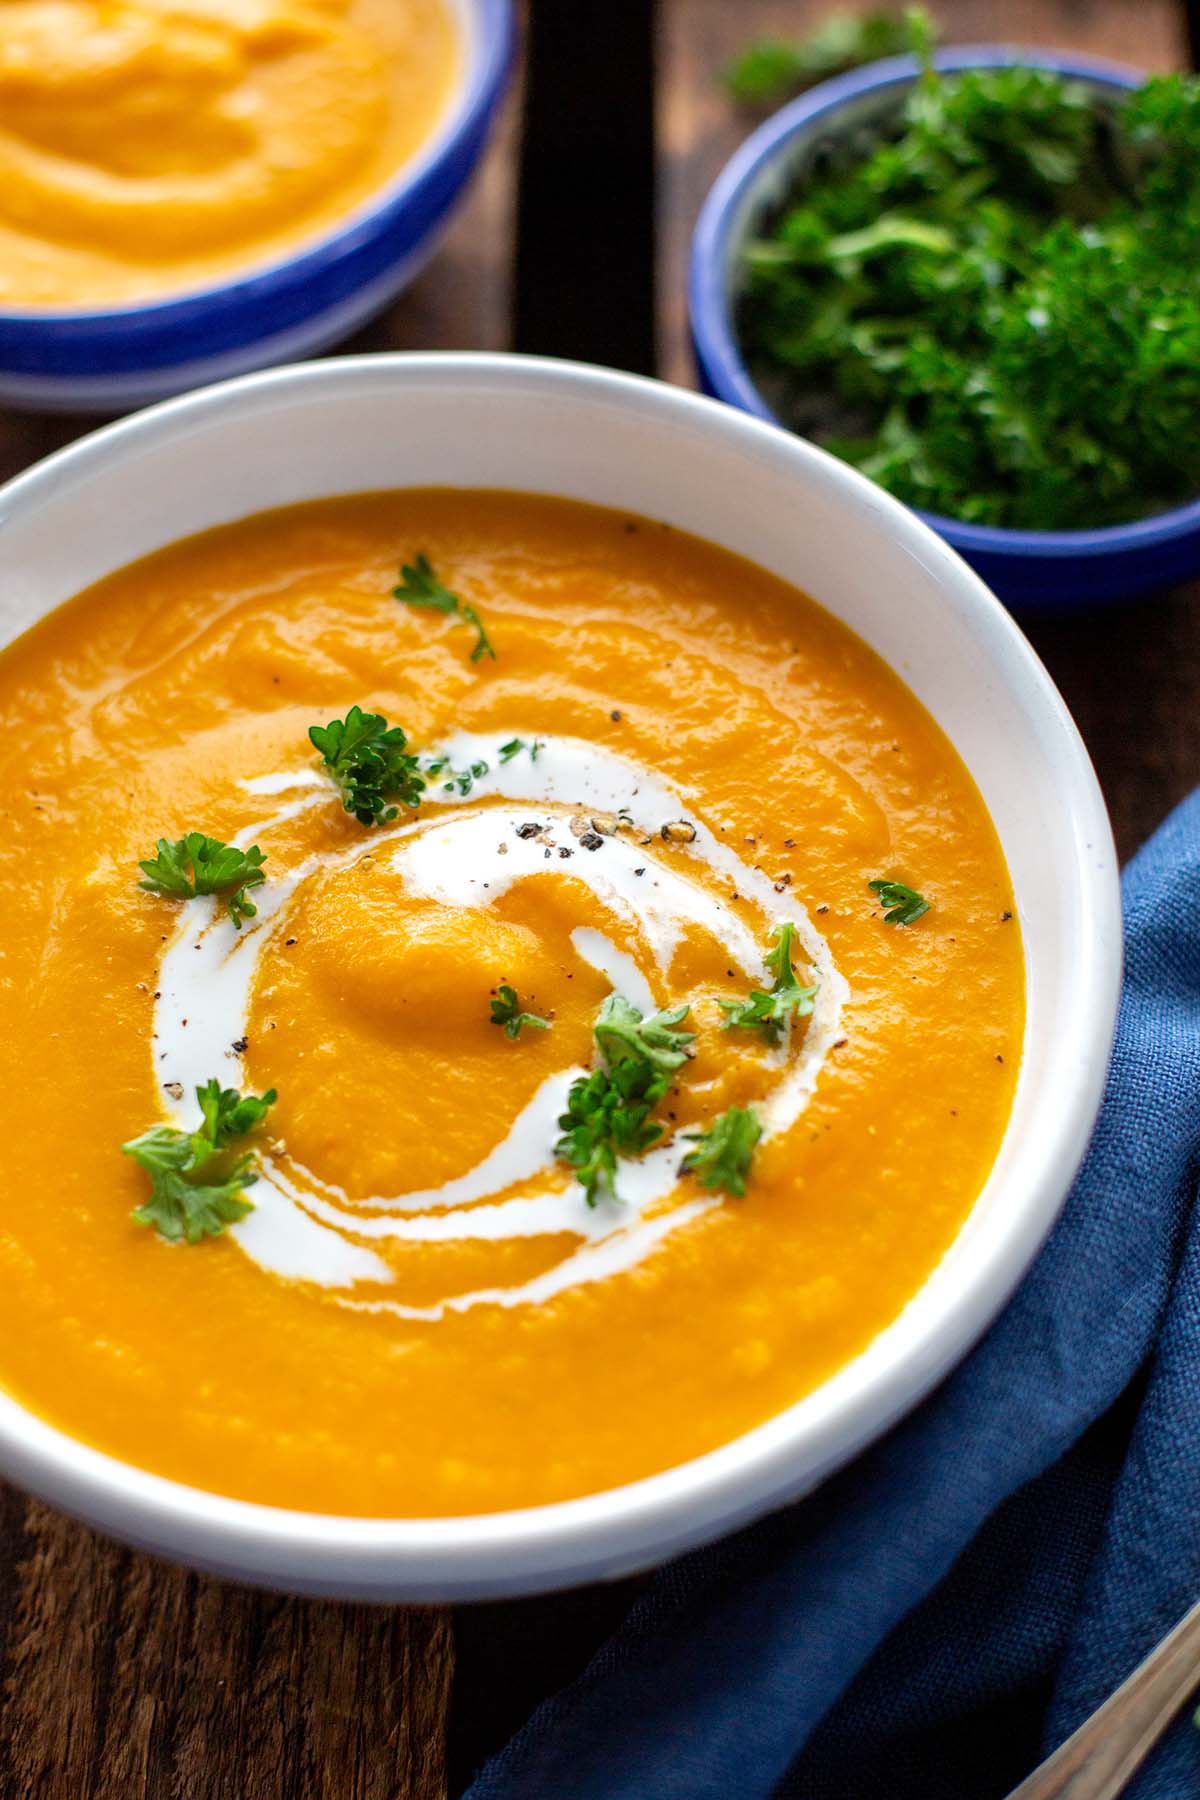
(851, 255)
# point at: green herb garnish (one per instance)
(608, 1111)
(464, 779)
(608, 1116)
(624, 1035)
(514, 747)
(419, 586)
(506, 1011)
(724, 1150)
(902, 905)
(772, 69)
(196, 1187)
(787, 999)
(368, 760)
(992, 309)
(196, 864)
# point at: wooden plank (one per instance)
(123, 1678)
(585, 245)
(463, 299)
(128, 1678)
(1131, 675)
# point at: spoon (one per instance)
(1098, 1760)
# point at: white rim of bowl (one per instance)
(635, 1525)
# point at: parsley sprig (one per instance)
(419, 586)
(506, 1011)
(196, 864)
(724, 1150)
(608, 1111)
(369, 761)
(902, 905)
(769, 1012)
(196, 1187)
(623, 1035)
(608, 1116)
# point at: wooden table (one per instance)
(125, 1679)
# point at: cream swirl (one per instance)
(467, 856)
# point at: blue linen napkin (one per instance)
(948, 1608)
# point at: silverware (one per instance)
(1107, 1750)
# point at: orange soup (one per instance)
(556, 990)
(150, 146)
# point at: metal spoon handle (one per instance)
(1097, 1761)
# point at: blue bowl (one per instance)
(112, 360)
(1026, 568)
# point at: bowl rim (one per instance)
(488, 32)
(712, 322)
(637, 1524)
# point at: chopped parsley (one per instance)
(724, 1150)
(608, 1111)
(197, 1187)
(464, 779)
(901, 905)
(196, 864)
(370, 763)
(770, 70)
(787, 999)
(419, 586)
(506, 1011)
(461, 781)
(987, 300)
(514, 747)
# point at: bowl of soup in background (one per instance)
(213, 226)
(1028, 569)
(474, 422)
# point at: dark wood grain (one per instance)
(1132, 679)
(127, 1678)
(586, 255)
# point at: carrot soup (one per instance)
(152, 146)
(499, 998)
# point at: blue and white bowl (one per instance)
(123, 357)
(1026, 568)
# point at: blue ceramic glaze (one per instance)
(1026, 568)
(125, 355)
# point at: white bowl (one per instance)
(473, 420)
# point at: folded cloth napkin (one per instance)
(947, 1609)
